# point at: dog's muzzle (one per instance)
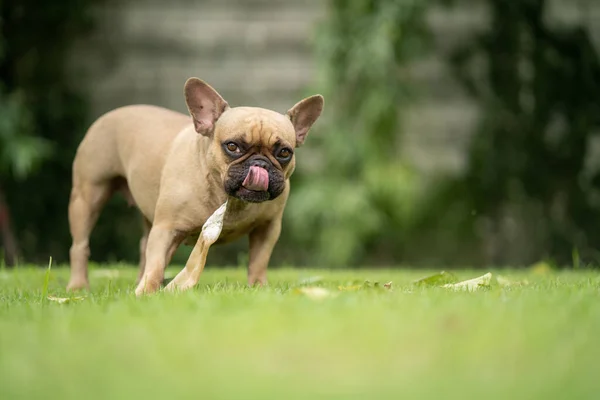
(257, 179)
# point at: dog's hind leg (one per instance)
(85, 205)
(143, 243)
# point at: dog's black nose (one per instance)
(260, 162)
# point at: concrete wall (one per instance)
(254, 52)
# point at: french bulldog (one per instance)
(178, 170)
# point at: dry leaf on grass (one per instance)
(440, 278)
(351, 288)
(505, 282)
(63, 300)
(371, 285)
(315, 293)
(310, 279)
(377, 285)
(366, 285)
(472, 284)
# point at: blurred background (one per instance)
(455, 133)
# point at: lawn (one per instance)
(226, 341)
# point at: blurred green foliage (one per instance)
(41, 115)
(527, 193)
(21, 150)
(356, 206)
(528, 173)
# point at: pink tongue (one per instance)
(257, 179)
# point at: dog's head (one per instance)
(252, 149)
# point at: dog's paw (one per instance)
(147, 286)
(258, 281)
(78, 284)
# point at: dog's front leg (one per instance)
(162, 243)
(262, 241)
(190, 274)
(211, 230)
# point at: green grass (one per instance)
(224, 340)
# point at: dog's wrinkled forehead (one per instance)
(255, 126)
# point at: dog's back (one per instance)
(121, 144)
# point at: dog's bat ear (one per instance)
(304, 114)
(205, 105)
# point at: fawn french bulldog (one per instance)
(178, 170)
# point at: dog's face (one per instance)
(256, 148)
(252, 149)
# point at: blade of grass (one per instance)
(46, 281)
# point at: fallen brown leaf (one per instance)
(315, 293)
(440, 278)
(471, 285)
(63, 300)
(505, 282)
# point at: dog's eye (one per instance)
(284, 154)
(232, 147)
